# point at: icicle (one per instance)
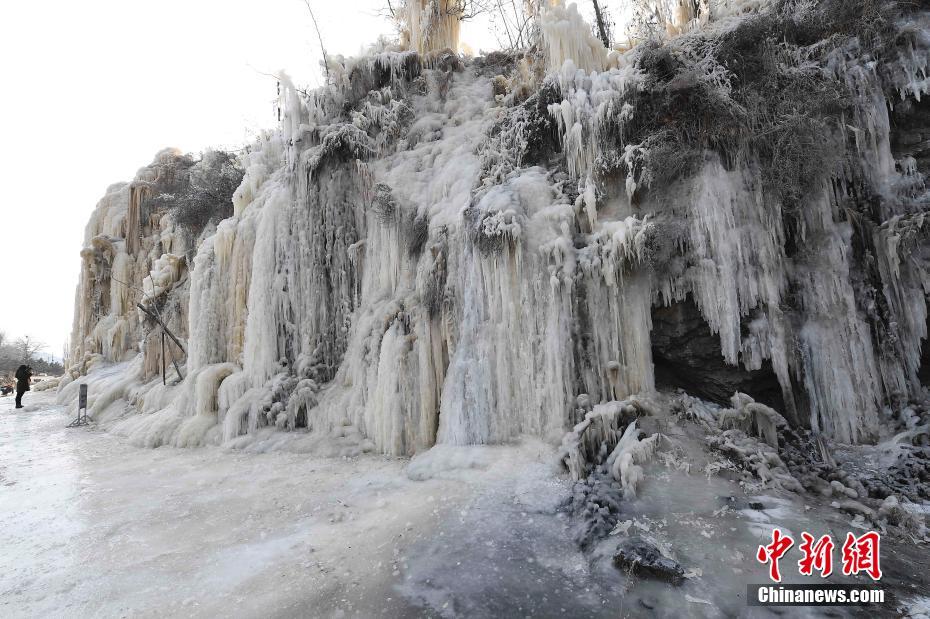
(568, 38)
(625, 460)
(431, 25)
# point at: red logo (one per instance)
(773, 552)
(860, 554)
(817, 556)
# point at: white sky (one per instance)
(93, 89)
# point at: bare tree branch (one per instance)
(27, 347)
(302, 91)
(320, 37)
(504, 20)
(601, 26)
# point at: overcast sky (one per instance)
(93, 89)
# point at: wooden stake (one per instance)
(168, 332)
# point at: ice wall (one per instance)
(128, 257)
(437, 249)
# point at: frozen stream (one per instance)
(94, 527)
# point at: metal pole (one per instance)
(164, 380)
(82, 408)
(159, 321)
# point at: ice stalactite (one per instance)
(631, 452)
(905, 287)
(219, 284)
(431, 25)
(442, 250)
(568, 37)
(487, 382)
(740, 261)
(837, 358)
(600, 432)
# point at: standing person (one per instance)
(23, 375)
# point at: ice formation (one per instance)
(430, 25)
(435, 249)
(568, 37)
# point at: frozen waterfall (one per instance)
(441, 249)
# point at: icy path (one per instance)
(94, 527)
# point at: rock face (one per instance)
(687, 356)
(910, 132)
(923, 372)
(435, 249)
(643, 559)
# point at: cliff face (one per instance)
(437, 249)
(123, 249)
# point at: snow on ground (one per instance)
(94, 526)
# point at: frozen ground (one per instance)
(92, 526)
(95, 527)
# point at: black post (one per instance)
(82, 407)
(164, 380)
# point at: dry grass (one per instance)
(195, 192)
(757, 95)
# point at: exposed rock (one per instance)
(910, 132)
(595, 507)
(643, 559)
(740, 503)
(648, 602)
(687, 356)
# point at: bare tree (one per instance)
(2, 338)
(463, 9)
(512, 19)
(516, 21)
(320, 38)
(27, 348)
(601, 24)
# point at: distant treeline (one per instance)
(12, 355)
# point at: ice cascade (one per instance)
(436, 249)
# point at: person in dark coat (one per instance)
(23, 375)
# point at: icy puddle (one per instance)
(95, 527)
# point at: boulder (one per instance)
(643, 559)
